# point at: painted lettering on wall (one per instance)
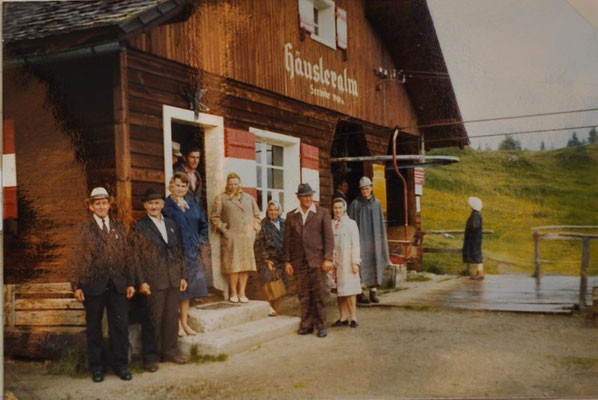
(317, 73)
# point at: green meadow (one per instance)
(519, 190)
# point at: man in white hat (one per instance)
(102, 278)
(366, 210)
(472, 241)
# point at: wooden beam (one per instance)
(122, 141)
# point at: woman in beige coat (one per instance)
(236, 217)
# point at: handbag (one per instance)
(275, 289)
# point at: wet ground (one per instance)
(515, 293)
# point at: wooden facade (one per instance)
(107, 112)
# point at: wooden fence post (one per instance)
(537, 256)
(585, 261)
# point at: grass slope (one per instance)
(520, 190)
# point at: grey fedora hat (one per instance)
(304, 190)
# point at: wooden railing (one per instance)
(539, 232)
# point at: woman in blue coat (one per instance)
(194, 233)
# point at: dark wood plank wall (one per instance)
(64, 147)
(244, 40)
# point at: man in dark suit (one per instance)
(161, 275)
(308, 249)
(101, 277)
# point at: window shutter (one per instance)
(310, 170)
(306, 15)
(9, 171)
(341, 28)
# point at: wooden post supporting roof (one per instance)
(123, 198)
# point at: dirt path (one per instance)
(393, 353)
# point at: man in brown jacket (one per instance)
(308, 249)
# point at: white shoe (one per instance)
(234, 299)
(243, 299)
(272, 312)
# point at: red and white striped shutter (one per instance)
(341, 28)
(310, 168)
(306, 15)
(239, 154)
(9, 171)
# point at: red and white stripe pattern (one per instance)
(310, 168)
(239, 154)
(9, 171)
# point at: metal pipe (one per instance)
(80, 52)
(405, 206)
(406, 157)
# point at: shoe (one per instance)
(150, 366)
(322, 332)
(97, 376)
(354, 324)
(340, 323)
(305, 331)
(272, 312)
(361, 299)
(477, 277)
(373, 297)
(124, 375)
(333, 290)
(243, 299)
(189, 331)
(233, 299)
(175, 359)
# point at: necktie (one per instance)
(104, 226)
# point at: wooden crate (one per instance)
(41, 320)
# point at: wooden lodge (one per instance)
(96, 92)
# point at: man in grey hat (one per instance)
(161, 275)
(366, 210)
(101, 278)
(308, 249)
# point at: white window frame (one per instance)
(326, 23)
(291, 164)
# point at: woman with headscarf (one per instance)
(472, 242)
(236, 217)
(194, 233)
(268, 249)
(346, 263)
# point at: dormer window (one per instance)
(326, 23)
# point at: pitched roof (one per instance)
(40, 19)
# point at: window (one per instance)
(270, 173)
(278, 170)
(324, 23)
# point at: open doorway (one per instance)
(349, 141)
(189, 137)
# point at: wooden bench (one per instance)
(41, 320)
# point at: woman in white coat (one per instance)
(346, 263)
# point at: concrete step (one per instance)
(241, 337)
(223, 314)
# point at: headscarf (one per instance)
(239, 191)
(338, 220)
(275, 204)
(475, 203)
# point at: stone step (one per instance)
(239, 337)
(223, 314)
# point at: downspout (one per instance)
(405, 206)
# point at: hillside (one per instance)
(520, 190)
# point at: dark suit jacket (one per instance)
(314, 241)
(98, 258)
(158, 263)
